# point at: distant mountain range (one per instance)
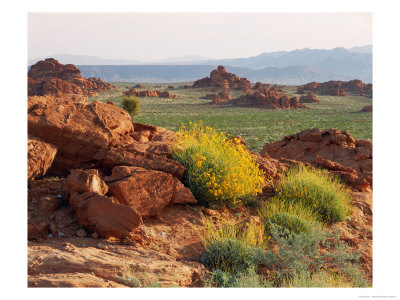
(180, 73)
(282, 67)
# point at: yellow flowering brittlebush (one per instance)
(218, 170)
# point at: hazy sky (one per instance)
(153, 36)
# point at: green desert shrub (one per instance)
(243, 280)
(299, 256)
(131, 104)
(218, 170)
(291, 222)
(231, 256)
(325, 196)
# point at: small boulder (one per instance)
(40, 157)
(147, 191)
(82, 181)
(48, 204)
(37, 230)
(105, 215)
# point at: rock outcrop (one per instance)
(78, 130)
(87, 141)
(268, 98)
(309, 98)
(331, 149)
(223, 97)
(220, 78)
(94, 263)
(338, 88)
(49, 77)
(149, 93)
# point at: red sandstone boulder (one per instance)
(37, 230)
(111, 157)
(79, 130)
(331, 149)
(222, 79)
(105, 215)
(83, 181)
(40, 157)
(147, 191)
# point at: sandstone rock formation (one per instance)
(223, 97)
(222, 79)
(89, 140)
(78, 130)
(331, 149)
(49, 77)
(338, 88)
(149, 93)
(264, 98)
(309, 98)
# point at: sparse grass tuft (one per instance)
(231, 247)
(325, 196)
(295, 217)
(251, 234)
(322, 279)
